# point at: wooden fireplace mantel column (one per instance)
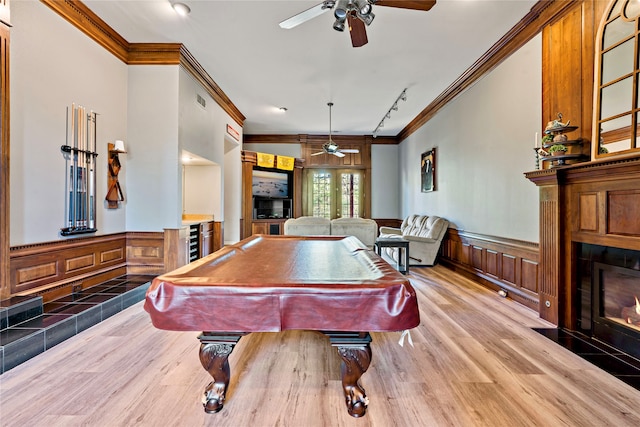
(552, 241)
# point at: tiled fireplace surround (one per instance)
(589, 229)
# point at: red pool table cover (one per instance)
(276, 283)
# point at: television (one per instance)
(270, 184)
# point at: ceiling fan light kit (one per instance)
(358, 13)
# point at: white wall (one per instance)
(154, 175)
(52, 66)
(385, 181)
(484, 141)
(201, 190)
(203, 131)
(232, 190)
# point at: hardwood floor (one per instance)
(475, 362)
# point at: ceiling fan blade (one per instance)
(304, 16)
(350, 150)
(358, 31)
(338, 154)
(408, 4)
(318, 153)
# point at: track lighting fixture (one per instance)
(394, 107)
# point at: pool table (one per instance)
(331, 284)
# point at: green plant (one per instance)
(557, 147)
(547, 138)
(603, 150)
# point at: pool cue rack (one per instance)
(80, 172)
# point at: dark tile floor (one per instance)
(609, 359)
(28, 327)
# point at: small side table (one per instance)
(402, 265)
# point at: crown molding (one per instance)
(189, 63)
(80, 16)
(317, 139)
(76, 13)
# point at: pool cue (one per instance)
(91, 178)
(74, 168)
(66, 168)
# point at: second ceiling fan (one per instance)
(354, 14)
(331, 147)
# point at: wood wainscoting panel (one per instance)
(145, 252)
(509, 273)
(623, 211)
(82, 262)
(497, 263)
(491, 263)
(588, 212)
(35, 268)
(464, 252)
(529, 275)
(37, 272)
(476, 257)
(112, 255)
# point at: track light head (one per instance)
(338, 25)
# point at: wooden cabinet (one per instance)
(270, 226)
(206, 238)
(251, 221)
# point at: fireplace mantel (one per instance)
(593, 202)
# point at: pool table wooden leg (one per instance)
(355, 351)
(214, 353)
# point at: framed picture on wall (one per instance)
(428, 170)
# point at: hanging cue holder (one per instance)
(114, 191)
(80, 172)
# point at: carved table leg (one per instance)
(355, 351)
(214, 353)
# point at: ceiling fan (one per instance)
(331, 147)
(356, 13)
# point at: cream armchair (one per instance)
(424, 233)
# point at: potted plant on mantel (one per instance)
(558, 149)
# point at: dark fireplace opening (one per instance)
(609, 289)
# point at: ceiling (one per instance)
(262, 67)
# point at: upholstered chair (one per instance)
(424, 233)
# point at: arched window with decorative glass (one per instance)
(617, 112)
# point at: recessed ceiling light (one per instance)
(181, 9)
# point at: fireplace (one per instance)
(609, 289)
